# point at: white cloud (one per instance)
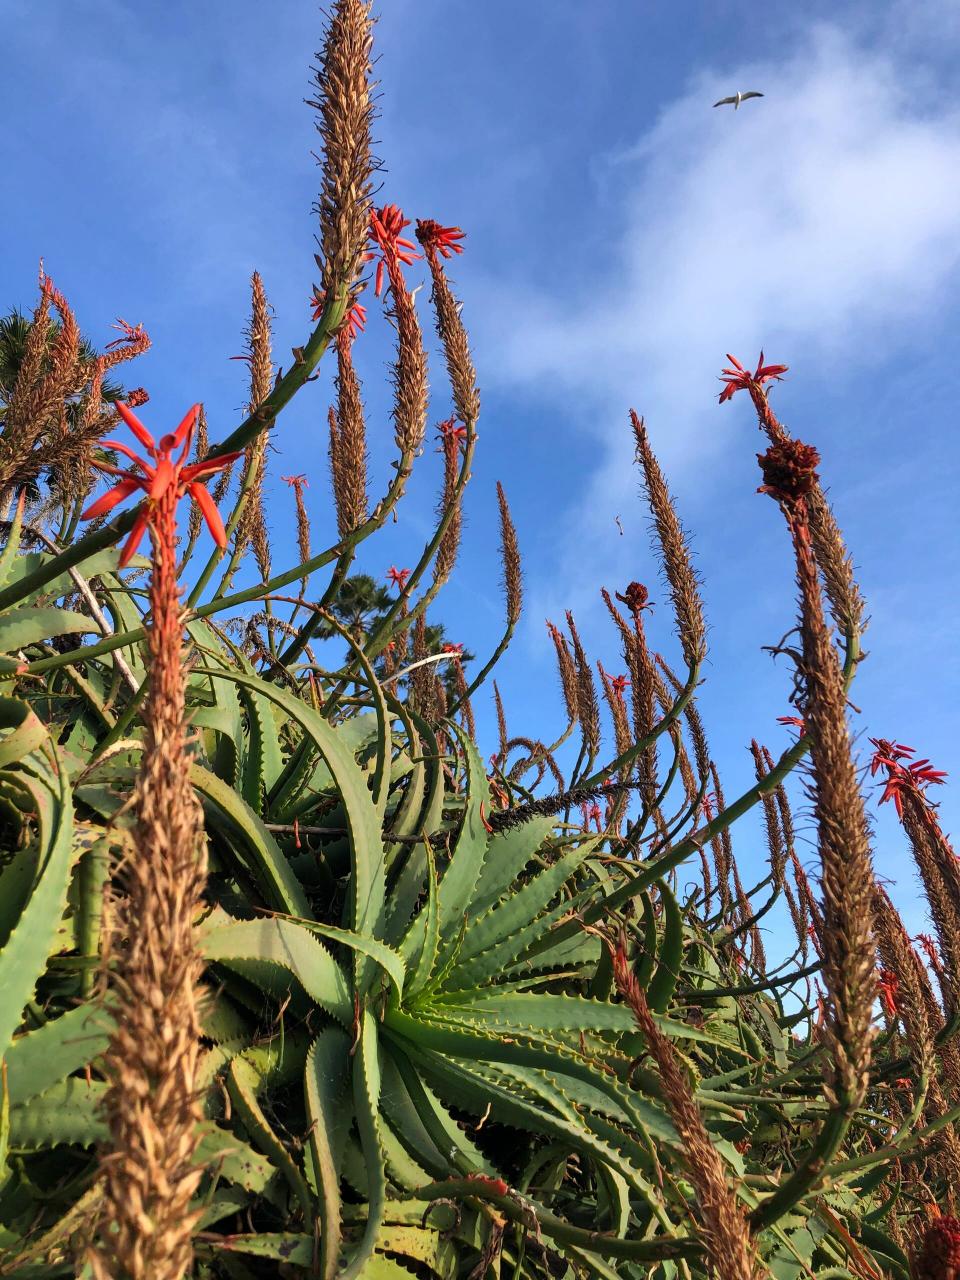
(813, 221)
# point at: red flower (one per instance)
(128, 333)
(451, 430)
(618, 684)
(297, 482)
(930, 947)
(385, 227)
(795, 721)
(398, 577)
(888, 753)
(889, 986)
(740, 379)
(356, 317)
(456, 649)
(902, 779)
(159, 474)
(438, 239)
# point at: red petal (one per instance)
(128, 453)
(136, 535)
(111, 470)
(186, 426)
(110, 499)
(161, 480)
(210, 513)
(135, 425)
(197, 469)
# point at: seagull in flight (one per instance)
(738, 98)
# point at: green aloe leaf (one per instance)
(25, 952)
(283, 946)
(22, 627)
(226, 809)
(42, 1058)
(326, 1080)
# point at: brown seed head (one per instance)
(675, 554)
(348, 442)
(449, 501)
(588, 709)
(938, 1257)
(566, 670)
(510, 559)
(252, 528)
(789, 470)
(456, 344)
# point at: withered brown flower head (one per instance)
(636, 597)
(939, 1255)
(789, 470)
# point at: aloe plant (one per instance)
(457, 1018)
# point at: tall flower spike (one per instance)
(344, 102)
(675, 554)
(440, 242)
(510, 559)
(348, 441)
(409, 372)
(298, 484)
(450, 501)
(159, 475)
(148, 1172)
(846, 865)
(252, 528)
(731, 1252)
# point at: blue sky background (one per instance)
(622, 237)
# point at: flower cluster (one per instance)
(385, 227)
(738, 378)
(451, 430)
(162, 473)
(398, 577)
(888, 986)
(797, 722)
(903, 779)
(437, 239)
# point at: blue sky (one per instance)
(622, 237)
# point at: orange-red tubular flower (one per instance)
(438, 239)
(162, 472)
(738, 378)
(385, 227)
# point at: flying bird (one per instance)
(738, 98)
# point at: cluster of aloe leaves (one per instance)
(410, 1041)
